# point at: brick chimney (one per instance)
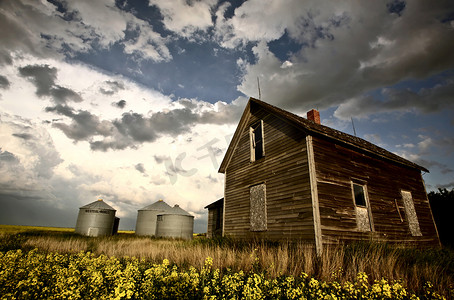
(314, 116)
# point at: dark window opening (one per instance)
(218, 218)
(360, 199)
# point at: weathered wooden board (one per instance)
(337, 166)
(284, 172)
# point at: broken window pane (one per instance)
(361, 208)
(258, 208)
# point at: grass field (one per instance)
(12, 229)
(414, 268)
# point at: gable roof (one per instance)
(312, 128)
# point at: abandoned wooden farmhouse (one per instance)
(288, 177)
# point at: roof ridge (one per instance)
(338, 135)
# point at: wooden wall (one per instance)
(336, 166)
(284, 170)
(215, 221)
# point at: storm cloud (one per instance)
(44, 77)
(4, 82)
(133, 129)
(120, 104)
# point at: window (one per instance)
(257, 145)
(358, 190)
(363, 218)
(258, 207)
(410, 212)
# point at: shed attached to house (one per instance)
(288, 177)
(215, 218)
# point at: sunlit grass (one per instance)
(413, 267)
(12, 229)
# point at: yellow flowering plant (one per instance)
(35, 275)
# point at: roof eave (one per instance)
(235, 138)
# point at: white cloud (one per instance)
(85, 26)
(67, 171)
(345, 54)
(186, 17)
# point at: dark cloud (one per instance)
(393, 44)
(8, 157)
(136, 126)
(139, 167)
(396, 7)
(133, 129)
(447, 186)
(117, 144)
(120, 104)
(111, 87)
(444, 169)
(62, 110)
(32, 209)
(84, 125)
(43, 77)
(4, 82)
(426, 100)
(62, 94)
(24, 136)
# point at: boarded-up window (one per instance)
(257, 146)
(361, 207)
(258, 208)
(410, 212)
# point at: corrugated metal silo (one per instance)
(176, 223)
(95, 219)
(146, 217)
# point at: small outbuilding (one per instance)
(215, 218)
(96, 219)
(176, 223)
(146, 217)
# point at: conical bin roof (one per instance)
(176, 210)
(98, 204)
(158, 206)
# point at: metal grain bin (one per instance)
(176, 223)
(146, 217)
(95, 219)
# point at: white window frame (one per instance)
(252, 140)
(410, 213)
(362, 209)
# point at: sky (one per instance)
(134, 101)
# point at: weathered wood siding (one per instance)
(336, 166)
(211, 222)
(214, 227)
(284, 170)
